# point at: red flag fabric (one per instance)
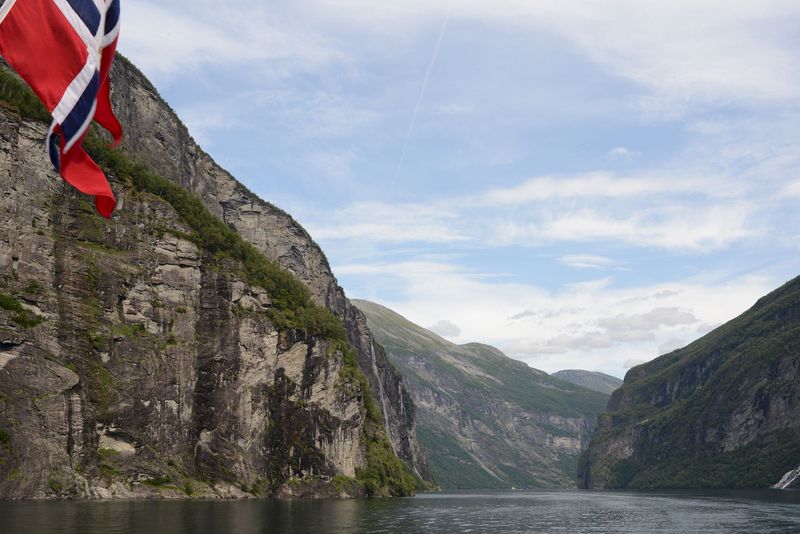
(64, 50)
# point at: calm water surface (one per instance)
(541, 511)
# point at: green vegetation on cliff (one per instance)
(19, 314)
(385, 474)
(723, 412)
(17, 96)
(292, 306)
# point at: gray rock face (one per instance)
(132, 365)
(485, 420)
(157, 138)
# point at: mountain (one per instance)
(723, 411)
(600, 382)
(197, 344)
(485, 420)
(156, 137)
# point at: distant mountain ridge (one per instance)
(485, 420)
(596, 381)
(722, 412)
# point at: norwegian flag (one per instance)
(64, 50)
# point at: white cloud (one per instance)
(605, 185)
(594, 185)
(704, 227)
(336, 165)
(390, 223)
(791, 190)
(627, 364)
(645, 213)
(316, 114)
(649, 321)
(679, 50)
(565, 328)
(545, 314)
(165, 40)
(671, 344)
(445, 329)
(203, 121)
(644, 326)
(621, 153)
(586, 261)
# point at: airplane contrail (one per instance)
(419, 102)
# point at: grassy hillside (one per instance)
(484, 419)
(593, 380)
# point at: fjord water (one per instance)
(508, 512)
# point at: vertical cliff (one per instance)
(156, 137)
(723, 411)
(159, 354)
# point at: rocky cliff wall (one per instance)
(722, 412)
(131, 364)
(156, 137)
(137, 361)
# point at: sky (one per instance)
(581, 184)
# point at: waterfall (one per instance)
(380, 391)
(788, 479)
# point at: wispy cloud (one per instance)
(658, 222)
(586, 261)
(167, 40)
(680, 50)
(791, 190)
(622, 153)
(705, 227)
(445, 328)
(608, 185)
(597, 322)
(391, 223)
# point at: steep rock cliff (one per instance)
(156, 137)
(135, 361)
(722, 412)
(485, 420)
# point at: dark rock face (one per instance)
(157, 138)
(132, 364)
(722, 412)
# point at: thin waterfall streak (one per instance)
(381, 393)
(413, 122)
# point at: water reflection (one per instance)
(566, 511)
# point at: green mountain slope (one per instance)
(593, 380)
(485, 420)
(722, 412)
